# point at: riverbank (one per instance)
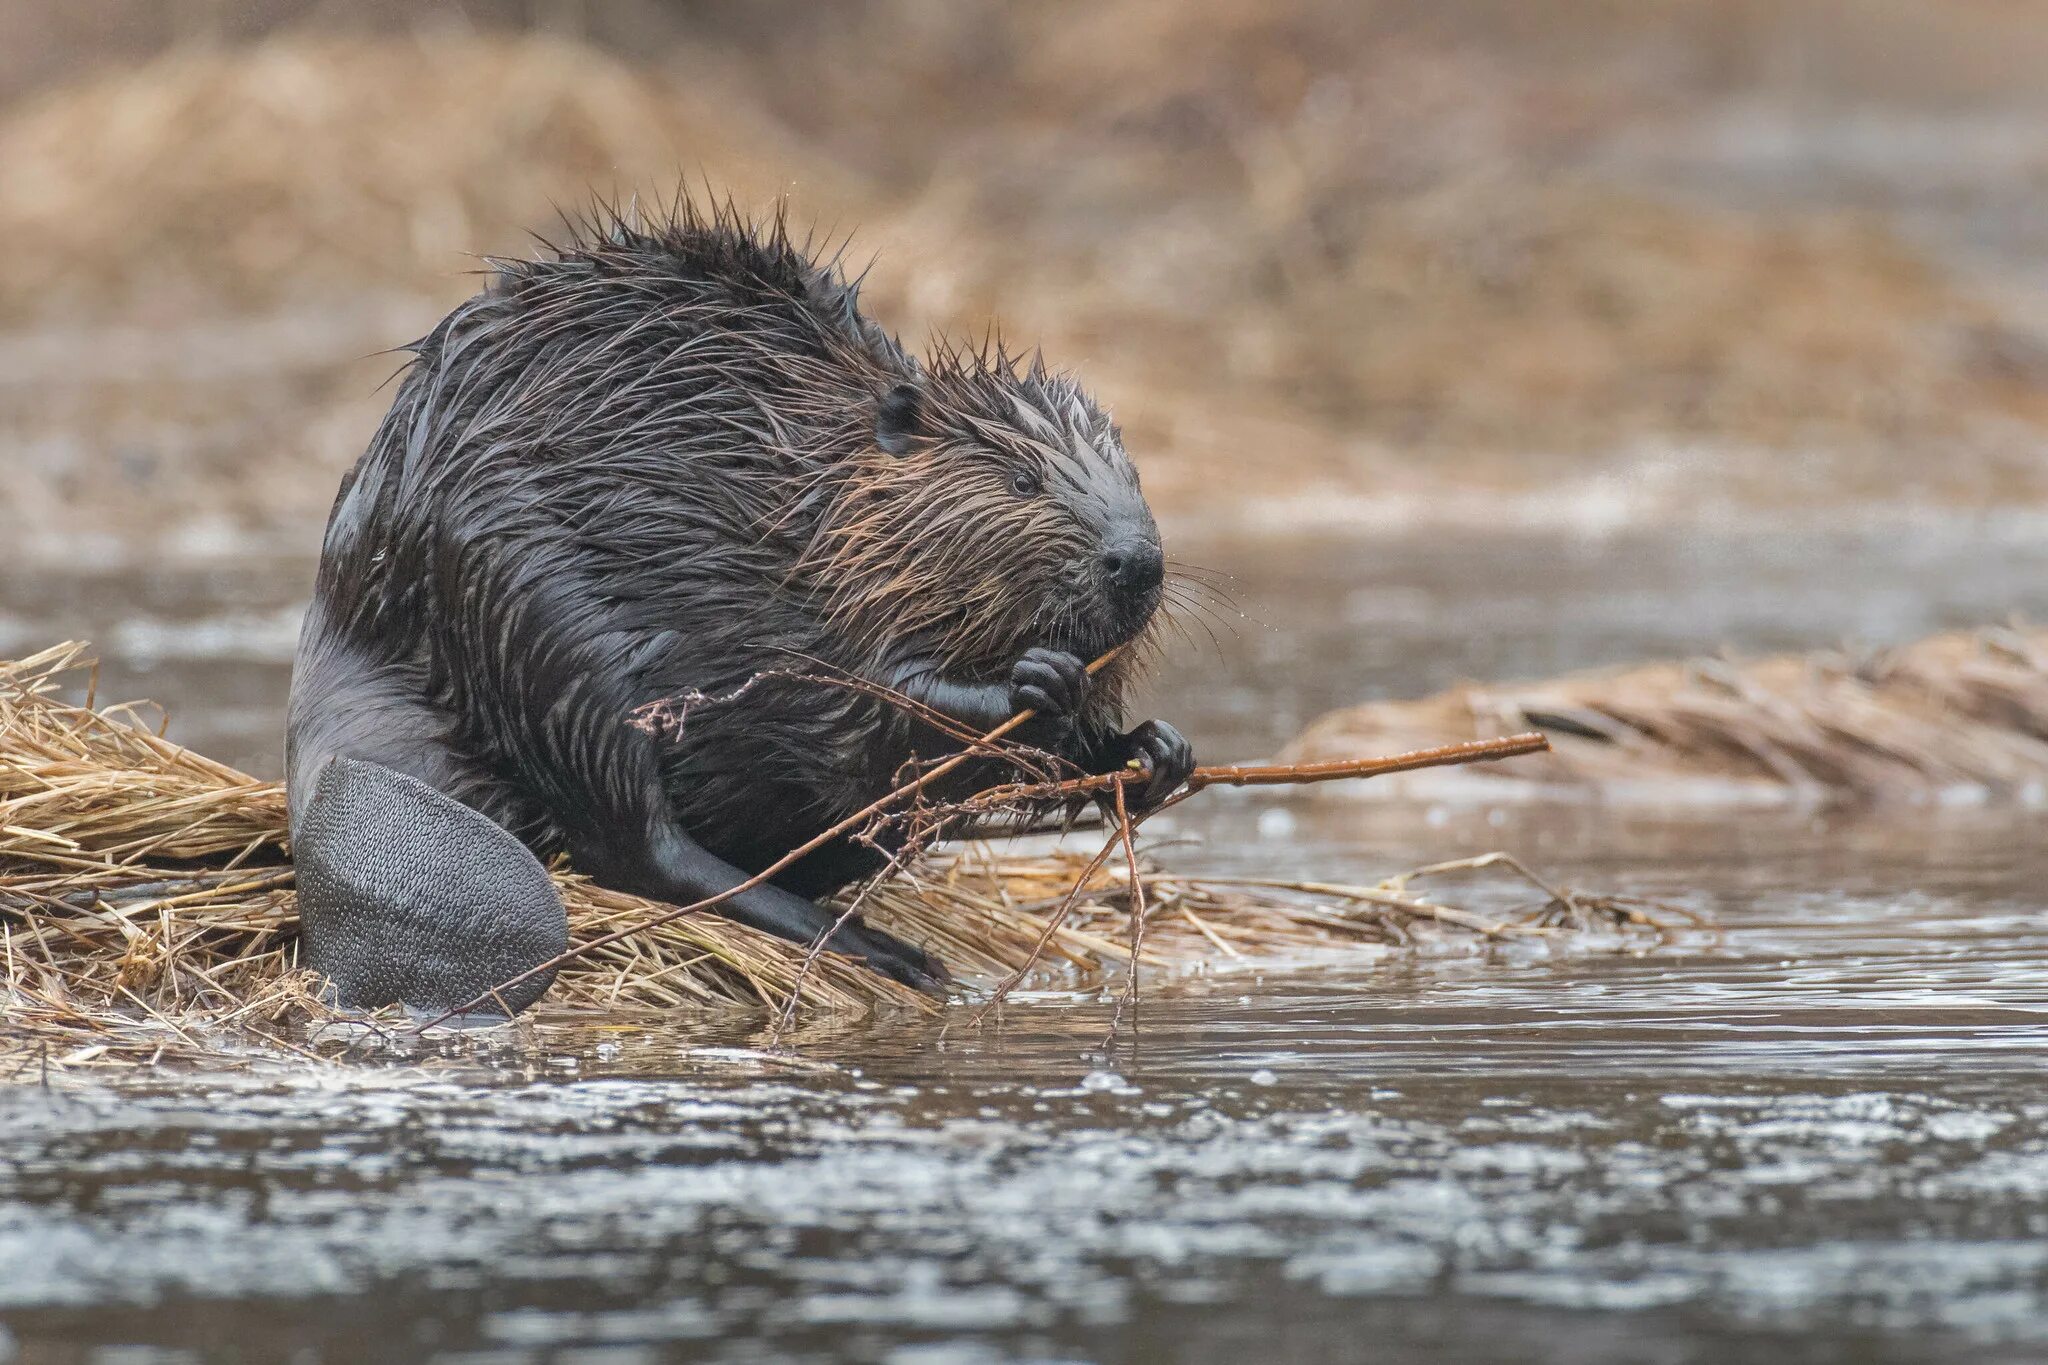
(1418, 278)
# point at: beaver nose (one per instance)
(1135, 568)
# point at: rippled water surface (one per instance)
(1818, 1135)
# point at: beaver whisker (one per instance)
(1174, 617)
(1209, 580)
(1192, 597)
(1201, 614)
(1225, 616)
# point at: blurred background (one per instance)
(1461, 342)
(1371, 271)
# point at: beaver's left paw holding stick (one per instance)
(1165, 754)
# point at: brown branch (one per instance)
(1052, 926)
(1271, 774)
(1442, 756)
(851, 822)
(1470, 751)
(1229, 775)
(1130, 843)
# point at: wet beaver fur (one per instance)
(674, 460)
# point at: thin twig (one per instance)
(1124, 833)
(1271, 774)
(1052, 926)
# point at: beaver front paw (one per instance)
(1051, 682)
(1163, 752)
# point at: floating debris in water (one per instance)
(1952, 719)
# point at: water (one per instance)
(1315, 622)
(1815, 1136)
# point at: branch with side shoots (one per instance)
(1476, 751)
(811, 845)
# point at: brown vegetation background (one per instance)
(1327, 259)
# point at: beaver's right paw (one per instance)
(1051, 682)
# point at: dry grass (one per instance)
(146, 911)
(1961, 716)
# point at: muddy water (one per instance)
(1818, 1136)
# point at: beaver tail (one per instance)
(407, 896)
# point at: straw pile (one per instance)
(146, 909)
(1956, 718)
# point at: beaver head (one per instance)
(994, 510)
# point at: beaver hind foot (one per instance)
(409, 897)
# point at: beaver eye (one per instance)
(1024, 483)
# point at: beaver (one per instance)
(667, 458)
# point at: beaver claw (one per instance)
(892, 957)
(1051, 682)
(1164, 753)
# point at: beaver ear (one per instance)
(898, 417)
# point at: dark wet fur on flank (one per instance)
(672, 456)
